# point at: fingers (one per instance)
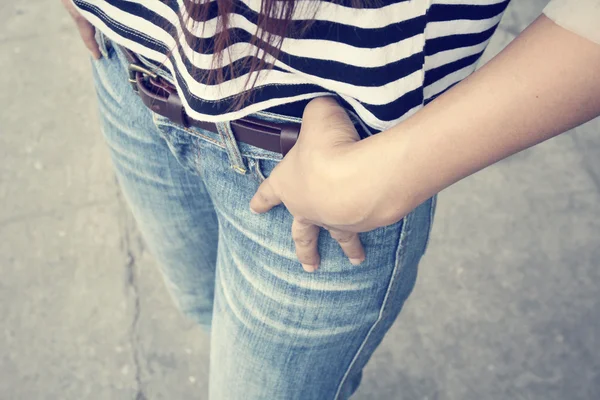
(86, 30)
(350, 244)
(87, 33)
(265, 198)
(306, 237)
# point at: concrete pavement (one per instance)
(507, 304)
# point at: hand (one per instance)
(325, 181)
(86, 30)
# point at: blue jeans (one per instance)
(277, 332)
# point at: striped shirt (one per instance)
(384, 61)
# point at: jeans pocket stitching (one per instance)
(159, 121)
(256, 167)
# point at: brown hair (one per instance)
(274, 23)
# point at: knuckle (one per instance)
(344, 239)
(262, 196)
(301, 220)
(303, 241)
(341, 236)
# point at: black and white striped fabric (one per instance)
(384, 61)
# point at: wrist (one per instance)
(387, 176)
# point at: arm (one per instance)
(544, 83)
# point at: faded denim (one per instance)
(277, 332)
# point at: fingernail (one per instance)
(309, 268)
(253, 212)
(356, 261)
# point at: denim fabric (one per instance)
(277, 332)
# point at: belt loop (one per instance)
(233, 151)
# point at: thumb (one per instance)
(326, 120)
(264, 199)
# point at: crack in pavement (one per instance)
(133, 331)
(127, 228)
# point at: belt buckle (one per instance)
(133, 69)
(163, 100)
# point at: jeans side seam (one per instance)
(384, 304)
(433, 200)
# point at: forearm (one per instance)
(544, 83)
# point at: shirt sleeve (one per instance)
(579, 16)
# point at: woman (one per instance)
(201, 104)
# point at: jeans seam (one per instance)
(399, 254)
(201, 136)
(278, 116)
(431, 218)
(231, 146)
(207, 138)
(188, 130)
(255, 165)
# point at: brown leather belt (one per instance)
(162, 98)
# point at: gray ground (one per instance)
(507, 304)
